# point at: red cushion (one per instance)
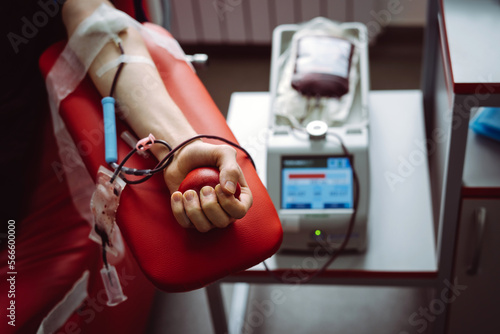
(127, 6)
(174, 258)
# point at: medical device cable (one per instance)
(120, 168)
(147, 173)
(109, 101)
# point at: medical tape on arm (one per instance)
(82, 48)
(69, 70)
(88, 40)
(123, 59)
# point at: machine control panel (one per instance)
(316, 183)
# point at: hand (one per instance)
(214, 207)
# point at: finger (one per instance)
(178, 210)
(235, 208)
(230, 171)
(193, 211)
(212, 210)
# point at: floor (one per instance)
(305, 310)
(395, 63)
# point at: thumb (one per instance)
(229, 177)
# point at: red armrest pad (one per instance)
(173, 258)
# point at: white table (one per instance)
(401, 247)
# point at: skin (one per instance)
(155, 112)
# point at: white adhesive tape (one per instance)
(123, 59)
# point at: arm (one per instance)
(150, 109)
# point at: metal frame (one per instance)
(454, 147)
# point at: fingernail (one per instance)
(206, 191)
(177, 197)
(188, 195)
(230, 186)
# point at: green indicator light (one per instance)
(317, 232)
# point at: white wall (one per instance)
(252, 21)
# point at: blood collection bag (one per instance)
(103, 204)
(322, 66)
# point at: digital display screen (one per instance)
(316, 183)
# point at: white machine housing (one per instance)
(305, 229)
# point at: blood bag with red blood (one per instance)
(322, 66)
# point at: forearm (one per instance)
(148, 108)
(140, 93)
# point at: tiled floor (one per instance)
(312, 309)
(395, 63)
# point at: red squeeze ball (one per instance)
(203, 176)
